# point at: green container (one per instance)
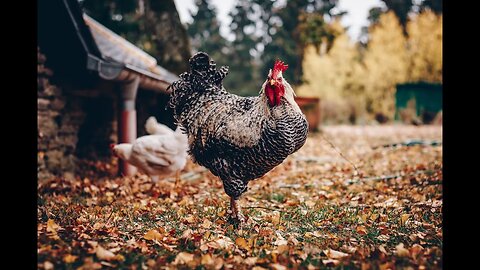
(427, 97)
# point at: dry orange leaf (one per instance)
(242, 243)
(207, 259)
(404, 218)
(382, 249)
(277, 266)
(334, 254)
(282, 248)
(153, 235)
(48, 265)
(52, 227)
(104, 254)
(69, 258)
(275, 218)
(331, 262)
(415, 250)
(361, 230)
(186, 234)
(250, 260)
(401, 251)
(183, 258)
(206, 224)
(190, 219)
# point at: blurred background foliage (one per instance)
(355, 80)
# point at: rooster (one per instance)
(161, 154)
(238, 139)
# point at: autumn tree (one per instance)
(386, 64)
(153, 26)
(336, 76)
(285, 33)
(425, 47)
(244, 77)
(401, 8)
(434, 5)
(204, 31)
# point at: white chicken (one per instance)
(154, 128)
(158, 155)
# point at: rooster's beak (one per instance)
(272, 82)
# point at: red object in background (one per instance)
(127, 134)
(311, 108)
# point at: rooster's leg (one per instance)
(236, 210)
(177, 178)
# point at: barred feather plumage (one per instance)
(237, 138)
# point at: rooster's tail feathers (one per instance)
(203, 71)
(202, 77)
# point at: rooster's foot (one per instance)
(235, 212)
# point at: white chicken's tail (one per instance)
(154, 128)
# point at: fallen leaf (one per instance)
(98, 225)
(204, 247)
(361, 230)
(250, 260)
(383, 237)
(206, 224)
(190, 219)
(53, 227)
(48, 265)
(330, 262)
(89, 264)
(282, 248)
(224, 243)
(69, 258)
(386, 266)
(401, 251)
(404, 218)
(277, 266)
(242, 243)
(265, 232)
(334, 254)
(382, 249)
(366, 266)
(363, 218)
(310, 204)
(153, 235)
(292, 239)
(415, 250)
(206, 259)
(280, 242)
(104, 254)
(186, 234)
(218, 264)
(275, 218)
(183, 258)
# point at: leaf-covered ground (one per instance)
(315, 211)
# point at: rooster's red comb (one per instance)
(278, 66)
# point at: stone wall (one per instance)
(76, 126)
(58, 122)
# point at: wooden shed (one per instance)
(94, 88)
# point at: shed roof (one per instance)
(106, 53)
